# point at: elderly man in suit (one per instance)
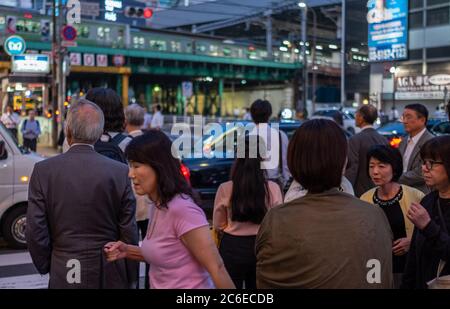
(359, 145)
(415, 117)
(78, 201)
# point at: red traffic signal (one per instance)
(138, 12)
(148, 13)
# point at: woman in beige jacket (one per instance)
(385, 166)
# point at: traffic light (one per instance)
(138, 12)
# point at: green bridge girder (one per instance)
(193, 65)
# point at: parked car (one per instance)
(16, 166)
(394, 131)
(441, 128)
(348, 118)
(206, 174)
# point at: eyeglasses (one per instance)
(404, 118)
(430, 163)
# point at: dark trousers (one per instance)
(30, 143)
(142, 226)
(238, 254)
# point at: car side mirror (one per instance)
(3, 152)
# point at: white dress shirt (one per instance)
(412, 142)
(157, 121)
(271, 139)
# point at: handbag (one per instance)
(444, 281)
(217, 236)
(440, 282)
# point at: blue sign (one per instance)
(14, 45)
(388, 30)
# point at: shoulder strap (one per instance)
(118, 138)
(280, 159)
(25, 123)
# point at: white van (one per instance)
(16, 166)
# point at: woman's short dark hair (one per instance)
(261, 110)
(387, 155)
(437, 149)
(317, 154)
(111, 105)
(154, 149)
(250, 195)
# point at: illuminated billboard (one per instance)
(388, 30)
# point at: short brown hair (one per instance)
(368, 113)
(317, 154)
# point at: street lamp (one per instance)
(394, 71)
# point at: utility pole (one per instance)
(269, 44)
(61, 75)
(303, 13)
(343, 53)
(313, 56)
(55, 54)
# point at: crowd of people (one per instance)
(335, 213)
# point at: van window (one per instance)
(4, 129)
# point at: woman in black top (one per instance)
(431, 241)
(385, 166)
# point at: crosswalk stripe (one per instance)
(15, 259)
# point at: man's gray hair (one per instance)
(85, 121)
(134, 115)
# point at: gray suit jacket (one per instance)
(358, 146)
(77, 202)
(413, 177)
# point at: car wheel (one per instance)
(14, 227)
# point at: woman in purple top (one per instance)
(178, 245)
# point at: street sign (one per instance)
(69, 44)
(89, 60)
(30, 63)
(14, 45)
(69, 33)
(118, 60)
(187, 89)
(102, 60)
(90, 9)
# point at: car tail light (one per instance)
(186, 173)
(395, 142)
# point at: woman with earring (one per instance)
(178, 245)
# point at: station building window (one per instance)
(158, 45)
(416, 20)
(438, 17)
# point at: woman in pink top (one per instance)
(239, 208)
(178, 245)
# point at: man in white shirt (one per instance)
(158, 118)
(415, 117)
(10, 120)
(147, 120)
(278, 171)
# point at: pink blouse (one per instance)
(222, 210)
